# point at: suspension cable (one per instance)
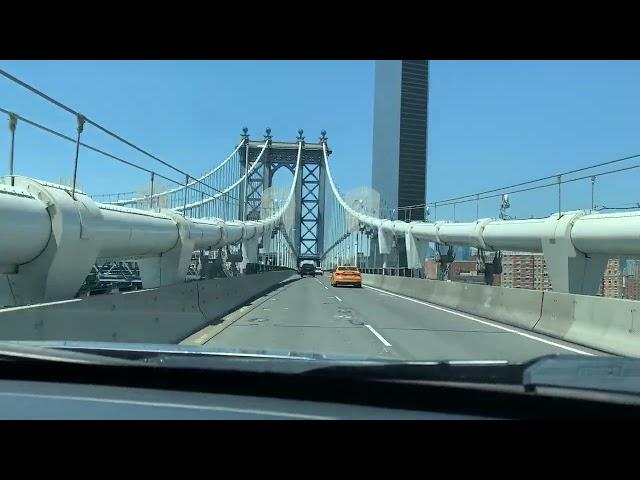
(98, 126)
(89, 147)
(548, 177)
(551, 184)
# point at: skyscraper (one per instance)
(400, 138)
(400, 133)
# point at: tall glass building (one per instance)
(400, 133)
(399, 164)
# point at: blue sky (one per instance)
(490, 122)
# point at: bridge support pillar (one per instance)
(570, 270)
(249, 251)
(172, 266)
(416, 250)
(58, 271)
(267, 242)
(385, 241)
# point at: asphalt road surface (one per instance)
(309, 315)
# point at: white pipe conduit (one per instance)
(41, 226)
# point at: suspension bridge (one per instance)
(232, 227)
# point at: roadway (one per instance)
(309, 315)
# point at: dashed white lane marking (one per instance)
(484, 322)
(338, 298)
(380, 337)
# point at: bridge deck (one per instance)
(308, 315)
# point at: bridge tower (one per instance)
(308, 232)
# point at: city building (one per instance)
(631, 287)
(399, 165)
(524, 270)
(431, 269)
(612, 280)
(465, 271)
(632, 267)
(400, 133)
(459, 271)
(528, 270)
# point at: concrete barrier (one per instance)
(513, 306)
(160, 315)
(441, 293)
(557, 314)
(608, 324)
(223, 295)
(447, 294)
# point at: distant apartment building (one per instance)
(612, 284)
(631, 287)
(431, 269)
(458, 267)
(632, 267)
(524, 270)
(528, 270)
(465, 271)
(459, 271)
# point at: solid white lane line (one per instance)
(380, 337)
(484, 322)
(338, 298)
(138, 291)
(478, 362)
(36, 305)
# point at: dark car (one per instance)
(307, 269)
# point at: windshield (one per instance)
(490, 208)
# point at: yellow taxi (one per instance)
(346, 275)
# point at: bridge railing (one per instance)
(162, 243)
(220, 181)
